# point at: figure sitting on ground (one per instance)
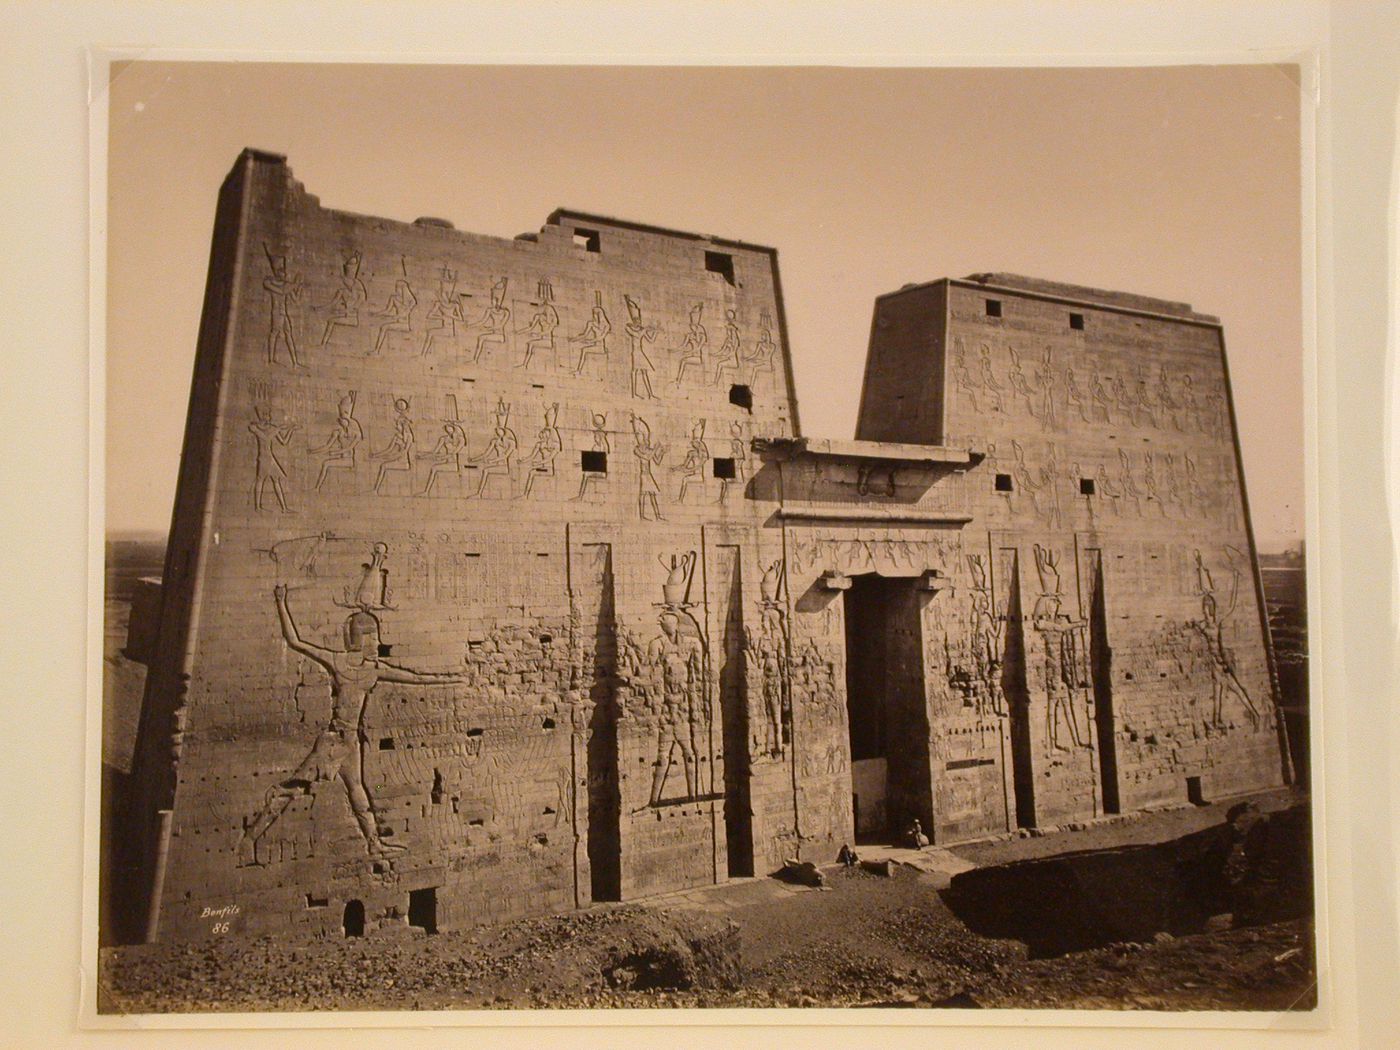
(915, 838)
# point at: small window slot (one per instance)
(724, 468)
(993, 307)
(1003, 483)
(587, 240)
(1076, 321)
(594, 462)
(741, 395)
(1086, 486)
(720, 263)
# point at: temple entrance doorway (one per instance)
(885, 707)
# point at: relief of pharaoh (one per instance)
(339, 750)
(676, 660)
(765, 654)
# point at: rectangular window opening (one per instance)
(313, 901)
(1076, 321)
(587, 240)
(993, 307)
(724, 468)
(741, 395)
(1003, 483)
(1086, 486)
(386, 743)
(594, 462)
(720, 263)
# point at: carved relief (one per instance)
(1064, 652)
(962, 378)
(1144, 405)
(445, 313)
(987, 647)
(697, 458)
(766, 652)
(397, 312)
(649, 456)
(339, 749)
(1045, 378)
(875, 479)
(671, 681)
(338, 450)
(638, 335)
(1017, 381)
(268, 471)
(539, 333)
(495, 462)
(692, 351)
(989, 380)
(397, 455)
(739, 453)
(494, 321)
(593, 339)
(760, 358)
(1129, 483)
(347, 299)
(1149, 483)
(548, 444)
(446, 456)
(1189, 412)
(1074, 397)
(1100, 399)
(1105, 489)
(1211, 629)
(283, 292)
(1050, 484)
(728, 359)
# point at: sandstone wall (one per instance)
(487, 453)
(1111, 476)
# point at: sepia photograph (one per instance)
(593, 537)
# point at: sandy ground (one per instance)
(863, 940)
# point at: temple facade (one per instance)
(502, 580)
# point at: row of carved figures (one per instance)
(1059, 665)
(342, 449)
(1165, 487)
(398, 327)
(1058, 399)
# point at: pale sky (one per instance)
(1180, 183)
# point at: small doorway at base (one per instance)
(422, 909)
(886, 709)
(354, 921)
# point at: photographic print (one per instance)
(778, 537)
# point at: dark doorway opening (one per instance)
(422, 908)
(354, 920)
(886, 709)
